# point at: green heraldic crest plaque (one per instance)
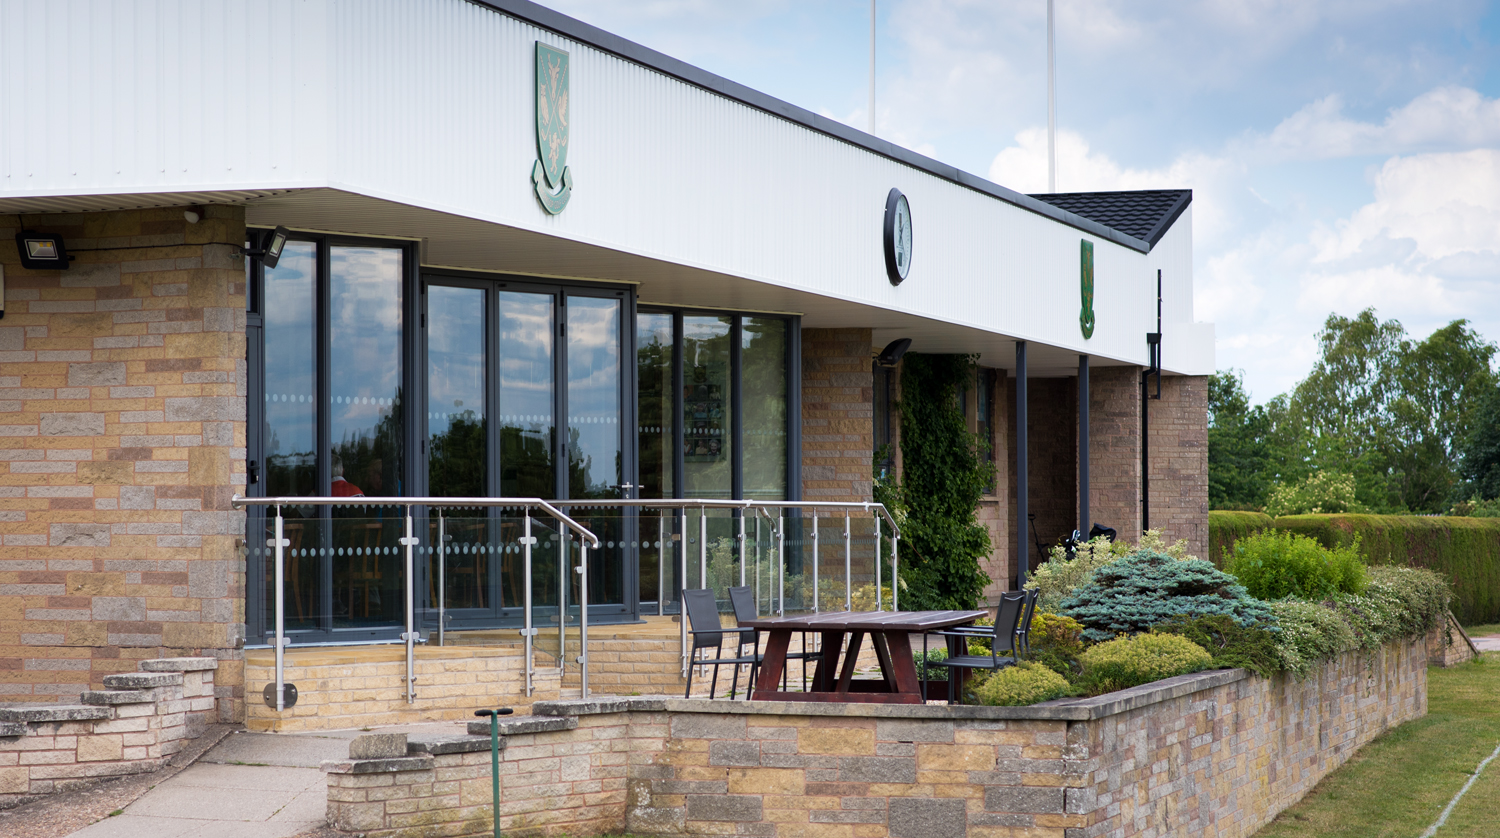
(550, 175)
(1086, 288)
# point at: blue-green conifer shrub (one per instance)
(1145, 588)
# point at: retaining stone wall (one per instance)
(130, 727)
(1210, 754)
(122, 438)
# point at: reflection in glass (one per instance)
(365, 322)
(525, 376)
(653, 363)
(455, 392)
(706, 408)
(291, 431)
(594, 438)
(654, 435)
(763, 389)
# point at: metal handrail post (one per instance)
(410, 542)
(661, 566)
(562, 603)
(703, 547)
(742, 549)
(583, 615)
(879, 594)
(895, 571)
(780, 564)
(682, 584)
(528, 630)
(442, 579)
(280, 542)
(816, 603)
(848, 565)
(757, 565)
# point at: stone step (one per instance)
(142, 680)
(52, 712)
(517, 725)
(104, 698)
(179, 665)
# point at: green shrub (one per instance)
(1056, 643)
(1309, 633)
(1057, 578)
(1131, 661)
(931, 673)
(1464, 551)
(1022, 684)
(1146, 588)
(1276, 565)
(1321, 492)
(1399, 602)
(1225, 528)
(1476, 507)
(1231, 644)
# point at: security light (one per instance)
(40, 252)
(269, 253)
(890, 356)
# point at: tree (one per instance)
(1239, 459)
(1479, 459)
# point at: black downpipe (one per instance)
(1083, 445)
(1153, 346)
(1022, 548)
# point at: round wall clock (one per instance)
(897, 237)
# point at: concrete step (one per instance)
(52, 712)
(142, 680)
(13, 729)
(517, 725)
(104, 698)
(179, 665)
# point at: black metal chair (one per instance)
(708, 633)
(1006, 635)
(743, 600)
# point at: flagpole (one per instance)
(872, 66)
(1051, 102)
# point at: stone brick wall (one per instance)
(1052, 464)
(131, 726)
(838, 430)
(121, 441)
(1115, 449)
(1213, 753)
(1178, 459)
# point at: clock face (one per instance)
(898, 234)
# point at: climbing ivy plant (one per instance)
(943, 475)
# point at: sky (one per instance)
(1343, 154)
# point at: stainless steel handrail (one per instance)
(409, 542)
(588, 538)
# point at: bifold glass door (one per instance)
(495, 354)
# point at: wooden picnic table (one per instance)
(889, 633)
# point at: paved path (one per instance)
(251, 785)
(1488, 643)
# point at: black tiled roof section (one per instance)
(1145, 214)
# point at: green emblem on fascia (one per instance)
(1086, 287)
(550, 175)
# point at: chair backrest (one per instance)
(1007, 618)
(743, 600)
(703, 617)
(1023, 629)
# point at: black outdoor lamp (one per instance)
(890, 356)
(269, 251)
(41, 252)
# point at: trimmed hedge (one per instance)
(1464, 551)
(1225, 528)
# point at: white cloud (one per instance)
(1443, 118)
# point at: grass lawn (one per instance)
(1481, 631)
(1398, 784)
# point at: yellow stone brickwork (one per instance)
(122, 438)
(1213, 754)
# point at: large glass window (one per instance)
(707, 447)
(763, 393)
(653, 362)
(456, 446)
(527, 428)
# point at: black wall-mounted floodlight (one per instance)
(891, 354)
(41, 252)
(269, 250)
